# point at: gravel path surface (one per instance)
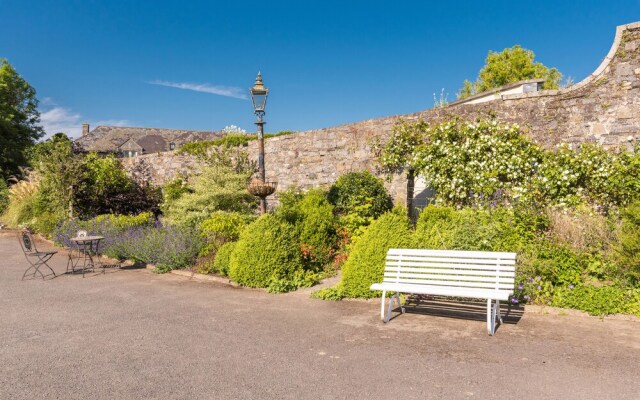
(133, 334)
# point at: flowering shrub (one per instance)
(137, 238)
(484, 162)
(112, 227)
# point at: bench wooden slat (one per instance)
(474, 272)
(471, 278)
(461, 260)
(395, 264)
(465, 284)
(452, 253)
(444, 291)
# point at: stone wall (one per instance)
(603, 108)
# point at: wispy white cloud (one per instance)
(60, 119)
(228, 91)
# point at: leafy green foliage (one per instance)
(19, 119)
(217, 188)
(313, 220)
(4, 195)
(59, 169)
(266, 253)
(105, 188)
(201, 149)
(172, 191)
(628, 249)
(223, 258)
(365, 265)
(486, 163)
(510, 65)
(222, 227)
(599, 300)
(359, 198)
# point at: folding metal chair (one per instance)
(36, 258)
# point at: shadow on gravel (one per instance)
(475, 310)
(137, 265)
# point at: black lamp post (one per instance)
(260, 188)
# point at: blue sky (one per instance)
(189, 64)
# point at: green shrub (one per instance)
(317, 230)
(598, 300)
(222, 227)
(498, 229)
(266, 252)
(172, 191)
(223, 258)
(365, 265)
(4, 194)
(289, 206)
(122, 222)
(314, 222)
(628, 247)
(435, 228)
(217, 188)
(355, 189)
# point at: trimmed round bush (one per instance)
(355, 189)
(317, 229)
(223, 258)
(222, 227)
(365, 265)
(266, 252)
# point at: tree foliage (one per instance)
(510, 65)
(19, 119)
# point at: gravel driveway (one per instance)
(133, 334)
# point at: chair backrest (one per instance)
(26, 242)
(82, 234)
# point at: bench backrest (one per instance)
(456, 268)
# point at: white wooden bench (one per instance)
(469, 274)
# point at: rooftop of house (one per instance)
(143, 140)
(529, 85)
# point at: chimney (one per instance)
(85, 129)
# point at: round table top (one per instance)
(86, 238)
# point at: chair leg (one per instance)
(384, 292)
(28, 269)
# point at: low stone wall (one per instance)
(604, 108)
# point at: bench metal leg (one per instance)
(395, 297)
(493, 315)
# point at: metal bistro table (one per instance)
(87, 248)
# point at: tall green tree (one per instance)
(510, 65)
(19, 119)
